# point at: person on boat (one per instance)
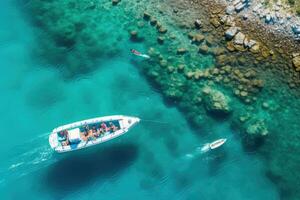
(112, 127)
(104, 127)
(86, 130)
(65, 136)
(61, 134)
(135, 52)
(96, 132)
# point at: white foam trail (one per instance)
(205, 148)
(145, 56)
(13, 166)
(188, 155)
(32, 155)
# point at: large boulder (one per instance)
(239, 38)
(216, 102)
(231, 32)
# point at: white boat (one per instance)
(217, 143)
(90, 132)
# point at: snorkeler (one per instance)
(137, 53)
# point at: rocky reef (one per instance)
(216, 102)
(77, 33)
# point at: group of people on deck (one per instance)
(95, 132)
(89, 133)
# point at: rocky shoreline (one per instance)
(235, 46)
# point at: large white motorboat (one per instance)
(90, 132)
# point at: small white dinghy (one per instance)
(90, 132)
(217, 143)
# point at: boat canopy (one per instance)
(74, 135)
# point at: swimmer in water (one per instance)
(137, 53)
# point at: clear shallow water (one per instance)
(154, 160)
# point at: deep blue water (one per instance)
(157, 159)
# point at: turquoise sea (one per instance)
(158, 159)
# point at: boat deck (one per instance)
(94, 132)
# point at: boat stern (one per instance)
(53, 140)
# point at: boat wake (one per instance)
(205, 148)
(26, 160)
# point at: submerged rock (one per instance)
(216, 101)
(198, 38)
(160, 40)
(115, 2)
(257, 128)
(146, 16)
(162, 30)
(181, 51)
(181, 67)
(203, 49)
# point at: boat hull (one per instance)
(125, 123)
(217, 143)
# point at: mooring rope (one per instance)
(154, 121)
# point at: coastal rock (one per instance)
(181, 51)
(203, 49)
(191, 35)
(218, 51)
(115, 2)
(181, 67)
(230, 46)
(163, 63)
(160, 40)
(189, 75)
(215, 22)
(146, 16)
(258, 83)
(170, 69)
(162, 30)
(133, 35)
(240, 6)
(224, 59)
(198, 23)
(268, 18)
(231, 32)
(248, 43)
(198, 38)
(239, 38)
(153, 21)
(255, 48)
(209, 40)
(216, 101)
(296, 29)
(227, 20)
(296, 63)
(245, 16)
(257, 128)
(229, 10)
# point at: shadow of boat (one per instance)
(81, 169)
